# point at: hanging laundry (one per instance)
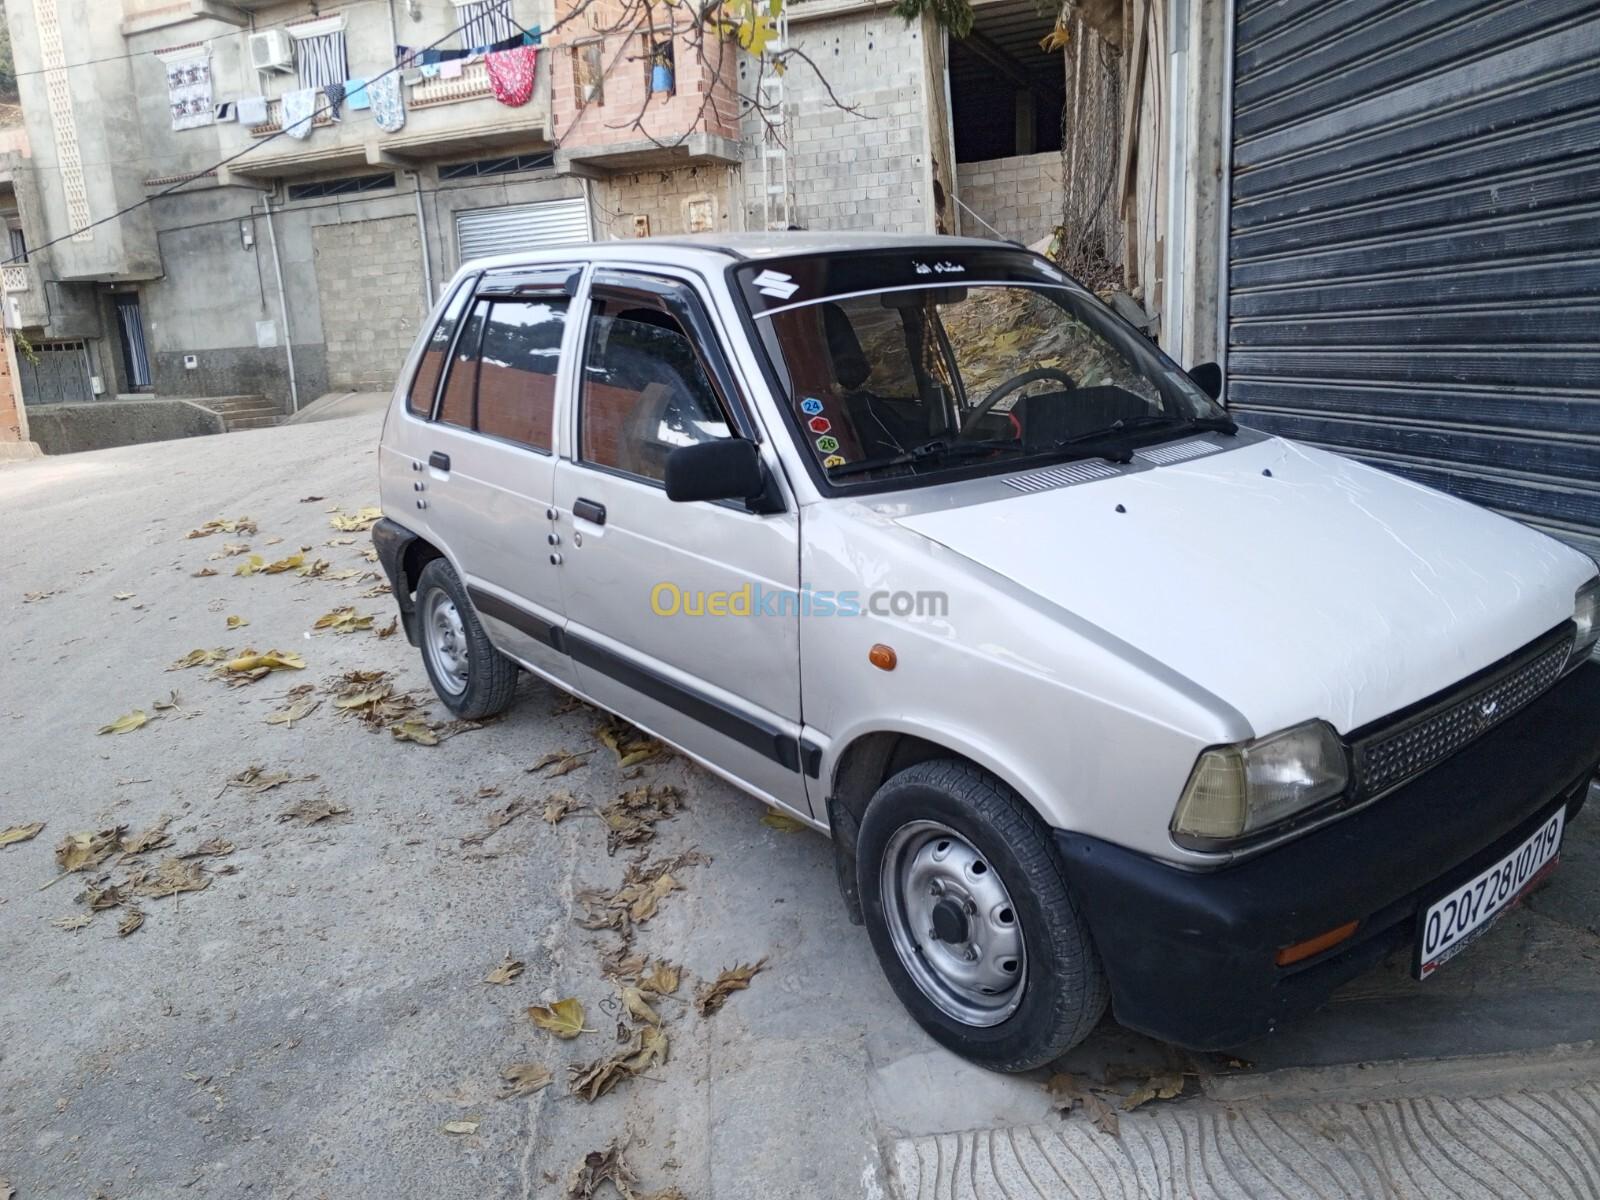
(335, 94)
(451, 69)
(189, 88)
(298, 109)
(355, 94)
(388, 107)
(252, 110)
(225, 110)
(430, 70)
(511, 74)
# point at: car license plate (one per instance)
(1451, 924)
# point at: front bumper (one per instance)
(1190, 955)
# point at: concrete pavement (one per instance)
(309, 1023)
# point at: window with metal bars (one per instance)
(496, 166)
(484, 22)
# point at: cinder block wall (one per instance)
(671, 199)
(862, 170)
(1021, 197)
(369, 280)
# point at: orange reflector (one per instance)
(883, 657)
(1316, 945)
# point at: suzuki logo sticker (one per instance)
(775, 283)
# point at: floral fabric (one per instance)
(511, 74)
(298, 108)
(388, 106)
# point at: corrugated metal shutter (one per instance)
(1415, 242)
(484, 231)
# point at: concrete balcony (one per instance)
(26, 305)
(445, 119)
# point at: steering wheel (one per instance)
(1007, 387)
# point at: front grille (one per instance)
(1390, 756)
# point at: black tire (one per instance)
(1063, 990)
(491, 677)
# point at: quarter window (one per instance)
(644, 391)
(455, 408)
(517, 370)
(425, 383)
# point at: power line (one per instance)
(222, 162)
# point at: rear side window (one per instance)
(425, 383)
(517, 369)
(455, 407)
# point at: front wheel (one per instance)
(472, 678)
(971, 919)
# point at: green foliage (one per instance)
(8, 82)
(954, 15)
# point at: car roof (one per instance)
(714, 249)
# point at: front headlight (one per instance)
(1586, 616)
(1236, 792)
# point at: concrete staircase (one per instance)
(243, 412)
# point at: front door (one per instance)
(670, 606)
(489, 456)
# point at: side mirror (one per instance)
(724, 469)
(1208, 378)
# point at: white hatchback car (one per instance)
(1098, 695)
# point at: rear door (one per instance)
(667, 622)
(488, 459)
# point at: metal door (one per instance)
(55, 373)
(484, 231)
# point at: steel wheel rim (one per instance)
(976, 969)
(446, 639)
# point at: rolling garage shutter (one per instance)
(485, 231)
(1414, 261)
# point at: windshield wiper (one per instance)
(929, 451)
(1145, 420)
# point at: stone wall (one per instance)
(369, 278)
(863, 170)
(1021, 197)
(69, 428)
(688, 200)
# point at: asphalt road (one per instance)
(310, 1023)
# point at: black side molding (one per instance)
(517, 617)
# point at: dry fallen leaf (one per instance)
(170, 878)
(202, 573)
(782, 821)
(252, 665)
(199, 658)
(1067, 1092)
(73, 923)
(132, 918)
(311, 499)
(357, 522)
(635, 902)
(508, 970)
(256, 779)
(173, 703)
(235, 622)
(559, 762)
(631, 818)
(79, 851)
(712, 996)
(662, 980)
(461, 1127)
(590, 1081)
(290, 713)
(35, 597)
(310, 812)
(20, 833)
(1163, 1086)
(290, 563)
(564, 1018)
(153, 838)
(238, 525)
(523, 1079)
(215, 847)
(122, 595)
(558, 806)
(638, 1007)
(498, 819)
(419, 732)
(389, 630)
(631, 745)
(127, 723)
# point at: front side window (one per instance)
(425, 383)
(644, 391)
(910, 369)
(517, 370)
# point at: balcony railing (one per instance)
(471, 84)
(274, 121)
(16, 277)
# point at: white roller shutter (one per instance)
(485, 231)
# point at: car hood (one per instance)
(1289, 582)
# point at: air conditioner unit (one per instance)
(272, 50)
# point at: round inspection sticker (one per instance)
(819, 424)
(827, 444)
(811, 406)
(833, 460)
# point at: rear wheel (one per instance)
(470, 676)
(970, 916)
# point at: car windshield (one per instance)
(914, 381)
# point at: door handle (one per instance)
(439, 461)
(589, 511)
